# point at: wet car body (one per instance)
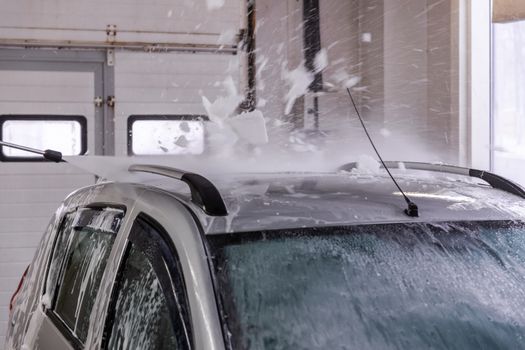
(188, 251)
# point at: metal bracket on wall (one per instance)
(111, 32)
(110, 101)
(110, 57)
(98, 101)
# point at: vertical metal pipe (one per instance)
(249, 45)
(312, 40)
(312, 46)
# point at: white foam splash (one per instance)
(224, 106)
(385, 132)
(227, 37)
(345, 80)
(299, 80)
(367, 165)
(214, 4)
(250, 127)
(321, 61)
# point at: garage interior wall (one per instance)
(406, 54)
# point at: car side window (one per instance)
(143, 320)
(148, 308)
(79, 260)
(60, 249)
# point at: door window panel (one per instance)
(149, 308)
(60, 249)
(66, 134)
(143, 320)
(89, 240)
(167, 134)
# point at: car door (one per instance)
(149, 306)
(79, 258)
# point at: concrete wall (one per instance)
(421, 57)
(406, 53)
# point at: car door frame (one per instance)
(56, 334)
(165, 263)
(177, 220)
(34, 317)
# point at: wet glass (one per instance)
(161, 137)
(397, 286)
(141, 316)
(64, 136)
(88, 243)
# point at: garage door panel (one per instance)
(145, 83)
(134, 80)
(4, 311)
(22, 226)
(47, 181)
(181, 65)
(30, 192)
(20, 93)
(156, 108)
(27, 209)
(182, 81)
(14, 254)
(74, 20)
(130, 16)
(162, 95)
(36, 196)
(124, 37)
(14, 271)
(45, 79)
(69, 12)
(22, 239)
(50, 107)
(28, 86)
(44, 168)
(5, 298)
(57, 99)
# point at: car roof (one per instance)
(273, 201)
(281, 201)
(286, 200)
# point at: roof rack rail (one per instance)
(203, 193)
(492, 179)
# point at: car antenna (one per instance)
(412, 209)
(48, 154)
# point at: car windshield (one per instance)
(391, 286)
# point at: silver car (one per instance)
(280, 261)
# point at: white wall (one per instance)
(479, 80)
